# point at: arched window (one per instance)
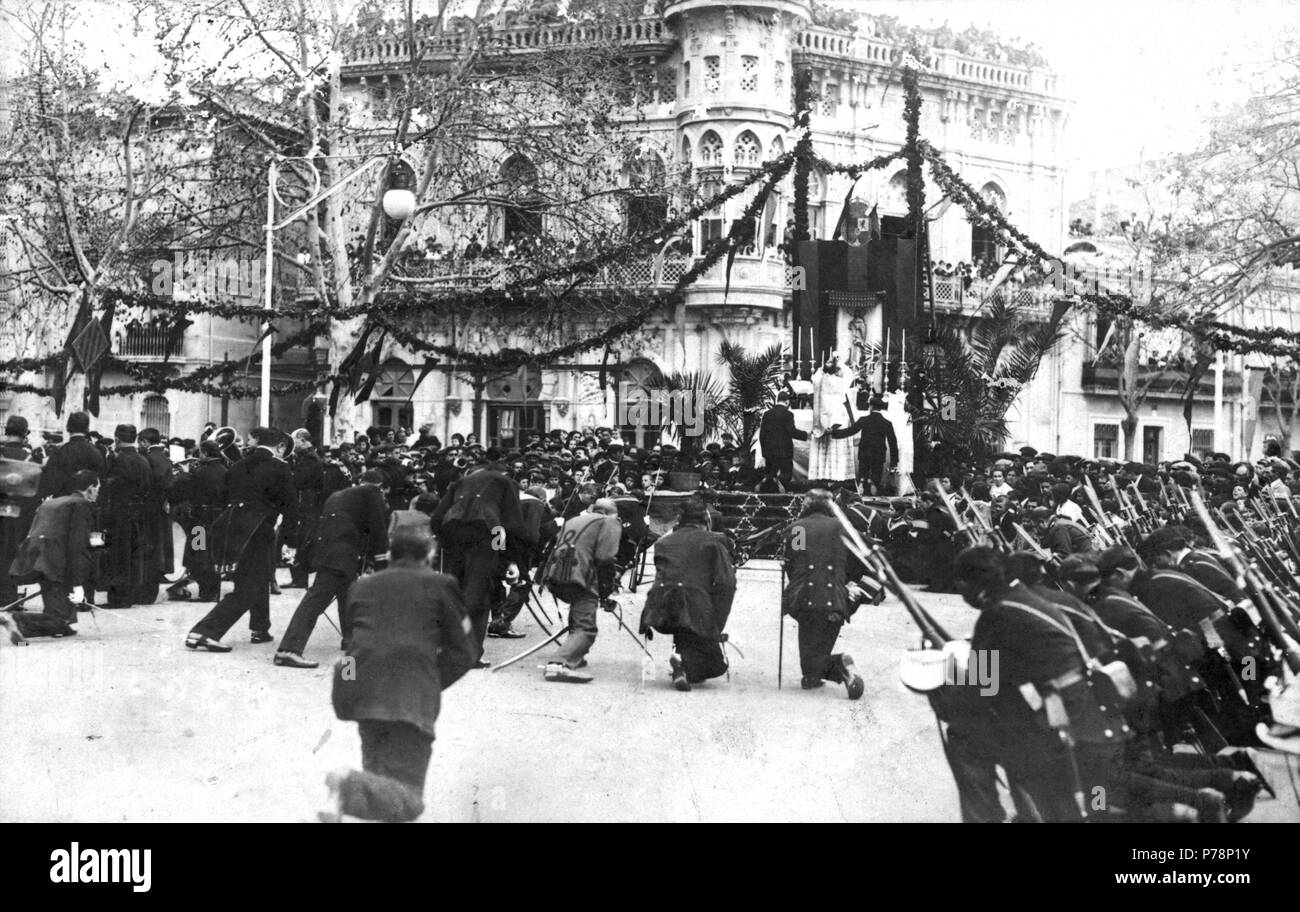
(645, 199)
(157, 413)
(748, 151)
(894, 199)
(711, 150)
(524, 218)
(984, 245)
(777, 149)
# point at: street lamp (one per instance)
(398, 203)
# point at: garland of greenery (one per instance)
(505, 362)
(1271, 341)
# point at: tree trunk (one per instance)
(343, 338)
(1129, 426)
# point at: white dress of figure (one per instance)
(898, 416)
(828, 458)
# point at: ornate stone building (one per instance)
(721, 105)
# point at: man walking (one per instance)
(581, 571)
(353, 525)
(57, 551)
(816, 594)
(260, 488)
(410, 641)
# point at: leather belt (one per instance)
(1070, 678)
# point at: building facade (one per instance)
(721, 104)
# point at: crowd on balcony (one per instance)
(984, 44)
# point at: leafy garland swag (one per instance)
(384, 316)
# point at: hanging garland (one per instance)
(505, 362)
(1271, 341)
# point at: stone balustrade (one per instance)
(445, 45)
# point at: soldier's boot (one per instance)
(849, 676)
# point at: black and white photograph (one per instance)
(650, 411)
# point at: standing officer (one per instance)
(261, 490)
(57, 550)
(353, 524)
(159, 520)
(473, 521)
(127, 483)
(816, 594)
(309, 481)
(66, 461)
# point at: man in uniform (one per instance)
(473, 522)
(694, 585)
(1060, 535)
(203, 488)
(159, 520)
(410, 642)
(353, 525)
(1038, 659)
(309, 481)
(128, 480)
(816, 594)
(260, 489)
(74, 455)
(57, 551)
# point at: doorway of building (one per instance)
(509, 426)
(1151, 444)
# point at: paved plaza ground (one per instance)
(122, 723)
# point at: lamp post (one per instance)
(398, 202)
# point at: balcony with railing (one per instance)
(663, 270)
(957, 295)
(835, 46)
(149, 341)
(648, 32)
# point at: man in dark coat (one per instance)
(203, 491)
(309, 481)
(410, 641)
(74, 455)
(694, 585)
(159, 519)
(16, 510)
(816, 594)
(776, 436)
(473, 522)
(57, 552)
(128, 480)
(877, 447)
(260, 489)
(353, 525)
